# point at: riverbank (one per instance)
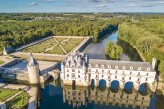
(139, 53)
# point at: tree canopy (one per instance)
(113, 51)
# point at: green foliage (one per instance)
(19, 32)
(113, 51)
(6, 93)
(1, 62)
(161, 68)
(18, 102)
(146, 34)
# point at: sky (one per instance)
(52, 6)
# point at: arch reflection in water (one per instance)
(82, 96)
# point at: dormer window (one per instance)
(109, 66)
(148, 69)
(139, 68)
(96, 65)
(116, 67)
(123, 67)
(102, 66)
(131, 68)
(73, 66)
(90, 65)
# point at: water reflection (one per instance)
(83, 96)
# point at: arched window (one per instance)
(148, 69)
(139, 68)
(109, 66)
(116, 67)
(96, 65)
(131, 68)
(102, 66)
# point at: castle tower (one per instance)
(153, 63)
(33, 70)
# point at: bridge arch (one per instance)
(114, 86)
(102, 83)
(144, 88)
(128, 87)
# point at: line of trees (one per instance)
(19, 33)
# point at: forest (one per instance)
(146, 34)
(18, 32)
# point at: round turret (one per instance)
(33, 70)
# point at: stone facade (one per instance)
(78, 69)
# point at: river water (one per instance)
(57, 96)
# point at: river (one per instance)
(56, 96)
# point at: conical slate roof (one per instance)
(32, 61)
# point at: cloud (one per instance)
(147, 6)
(48, 0)
(109, 1)
(160, 2)
(102, 5)
(32, 4)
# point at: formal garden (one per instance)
(19, 101)
(7, 93)
(55, 45)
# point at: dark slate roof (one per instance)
(120, 64)
(8, 49)
(32, 61)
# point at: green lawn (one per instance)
(7, 93)
(56, 50)
(1, 62)
(18, 102)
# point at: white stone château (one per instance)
(79, 69)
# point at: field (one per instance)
(55, 45)
(6, 93)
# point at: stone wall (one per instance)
(83, 44)
(16, 76)
(40, 56)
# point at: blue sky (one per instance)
(9, 6)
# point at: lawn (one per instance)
(56, 50)
(18, 102)
(7, 93)
(1, 62)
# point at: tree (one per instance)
(113, 51)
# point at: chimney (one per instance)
(153, 63)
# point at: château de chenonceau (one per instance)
(78, 69)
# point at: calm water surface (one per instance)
(56, 96)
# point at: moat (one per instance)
(55, 95)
